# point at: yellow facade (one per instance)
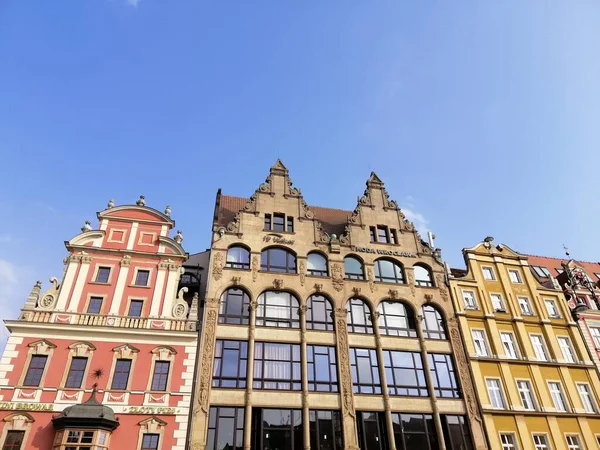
(533, 374)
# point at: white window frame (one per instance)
(549, 301)
(595, 334)
(491, 272)
(509, 344)
(573, 445)
(500, 307)
(467, 305)
(542, 445)
(483, 340)
(541, 271)
(540, 348)
(512, 445)
(525, 389)
(517, 279)
(587, 399)
(495, 393)
(566, 349)
(559, 392)
(525, 300)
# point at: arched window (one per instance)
(318, 313)
(387, 271)
(278, 260)
(277, 309)
(396, 320)
(353, 268)
(316, 265)
(238, 257)
(234, 307)
(359, 316)
(422, 276)
(433, 323)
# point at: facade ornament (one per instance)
(168, 211)
(375, 316)
(356, 291)
(179, 237)
(255, 266)
(410, 277)
(345, 237)
(126, 261)
(251, 203)
(308, 213)
(428, 297)
(253, 305)
(344, 361)
(322, 236)
(47, 300)
(302, 272)
(420, 318)
(236, 280)
(337, 276)
(87, 226)
(193, 315)
(318, 287)
(34, 295)
(302, 310)
(340, 313)
(355, 217)
(439, 278)
(217, 271)
(278, 284)
(393, 294)
(205, 377)
(370, 279)
(487, 242)
(111, 204)
(141, 201)
(180, 309)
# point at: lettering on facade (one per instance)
(151, 410)
(278, 239)
(17, 406)
(380, 251)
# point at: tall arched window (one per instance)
(353, 268)
(318, 313)
(277, 309)
(422, 276)
(433, 323)
(395, 319)
(234, 307)
(387, 271)
(316, 265)
(238, 257)
(359, 316)
(278, 260)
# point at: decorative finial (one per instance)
(87, 226)
(333, 236)
(38, 284)
(566, 251)
(141, 201)
(487, 242)
(168, 211)
(111, 204)
(179, 237)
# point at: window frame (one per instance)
(408, 317)
(549, 301)
(501, 307)
(331, 384)
(40, 371)
(14, 446)
(484, 339)
(508, 445)
(234, 319)
(367, 327)
(358, 385)
(91, 300)
(235, 264)
(570, 356)
(464, 297)
(311, 323)
(262, 319)
(354, 275)
(399, 276)
(541, 271)
(595, 335)
(278, 227)
(315, 272)
(451, 373)
(497, 389)
(529, 311)
(395, 384)
(82, 372)
(294, 382)
(491, 272)
(513, 353)
(138, 270)
(291, 261)
(527, 394)
(422, 282)
(162, 376)
(541, 446)
(593, 408)
(517, 279)
(441, 332)
(114, 375)
(573, 446)
(143, 440)
(542, 346)
(137, 301)
(238, 417)
(97, 271)
(561, 392)
(221, 381)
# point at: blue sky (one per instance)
(481, 117)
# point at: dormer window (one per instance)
(278, 222)
(383, 235)
(103, 275)
(541, 271)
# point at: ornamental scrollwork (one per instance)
(337, 276)
(218, 264)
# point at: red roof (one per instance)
(591, 268)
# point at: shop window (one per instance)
(325, 430)
(225, 428)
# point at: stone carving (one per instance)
(251, 203)
(180, 309)
(236, 280)
(168, 211)
(178, 237)
(355, 217)
(393, 294)
(428, 297)
(234, 225)
(205, 370)
(370, 279)
(255, 266)
(253, 305)
(218, 266)
(322, 236)
(356, 291)
(337, 276)
(47, 302)
(126, 261)
(318, 287)
(439, 279)
(141, 201)
(34, 295)
(87, 226)
(302, 309)
(308, 213)
(410, 276)
(345, 237)
(302, 272)
(343, 352)
(278, 284)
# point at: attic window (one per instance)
(278, 222)
(541, 271)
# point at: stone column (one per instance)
(436, 413)
(383, 382)
(345, 380)
(204, 381)
(249, 378)
(304, 359)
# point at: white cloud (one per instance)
(419, 221)
(133, 3)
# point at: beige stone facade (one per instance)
(335, 235)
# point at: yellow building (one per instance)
(537, 386)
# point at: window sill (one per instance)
(384, 243)
(99, 283)
(140, 287)
(237, 268)
(291, 233)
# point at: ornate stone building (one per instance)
(328, 329)
(114, 329)
(534, 377)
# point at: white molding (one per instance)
(132, 235)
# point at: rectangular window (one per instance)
(160, 376)
(76, 373)
(277, 366)
(541, 271)
(565, 347)
(365, 372)
(515, 276)
(415, 431)
(442, 370)
(393, 237)
(495, 393)
(404, 373)
(510, 347)
(372, 234)
(275, 429)
(14, 440)
(268, 222)
(457, 433)
(479, 341)
(325, 430)
(35, 370)
(508, 441)
(231, 359)
(586, 398)
(557, 395)
(95, 305)
(497, 302)
(135, 308)
(526, 394)
(595, 332)
(150, 441)
(573, 442)
(322, 370)
(469, 299)
(290, 224)
(141, 277)
(121, 375)
(103, 274)
(525, 306)
(225, 428)
(539, 347)
(540, 441)
(551, 308)
(488, 273)
(278, 222)
(382, 234)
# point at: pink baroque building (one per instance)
(105, 356)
